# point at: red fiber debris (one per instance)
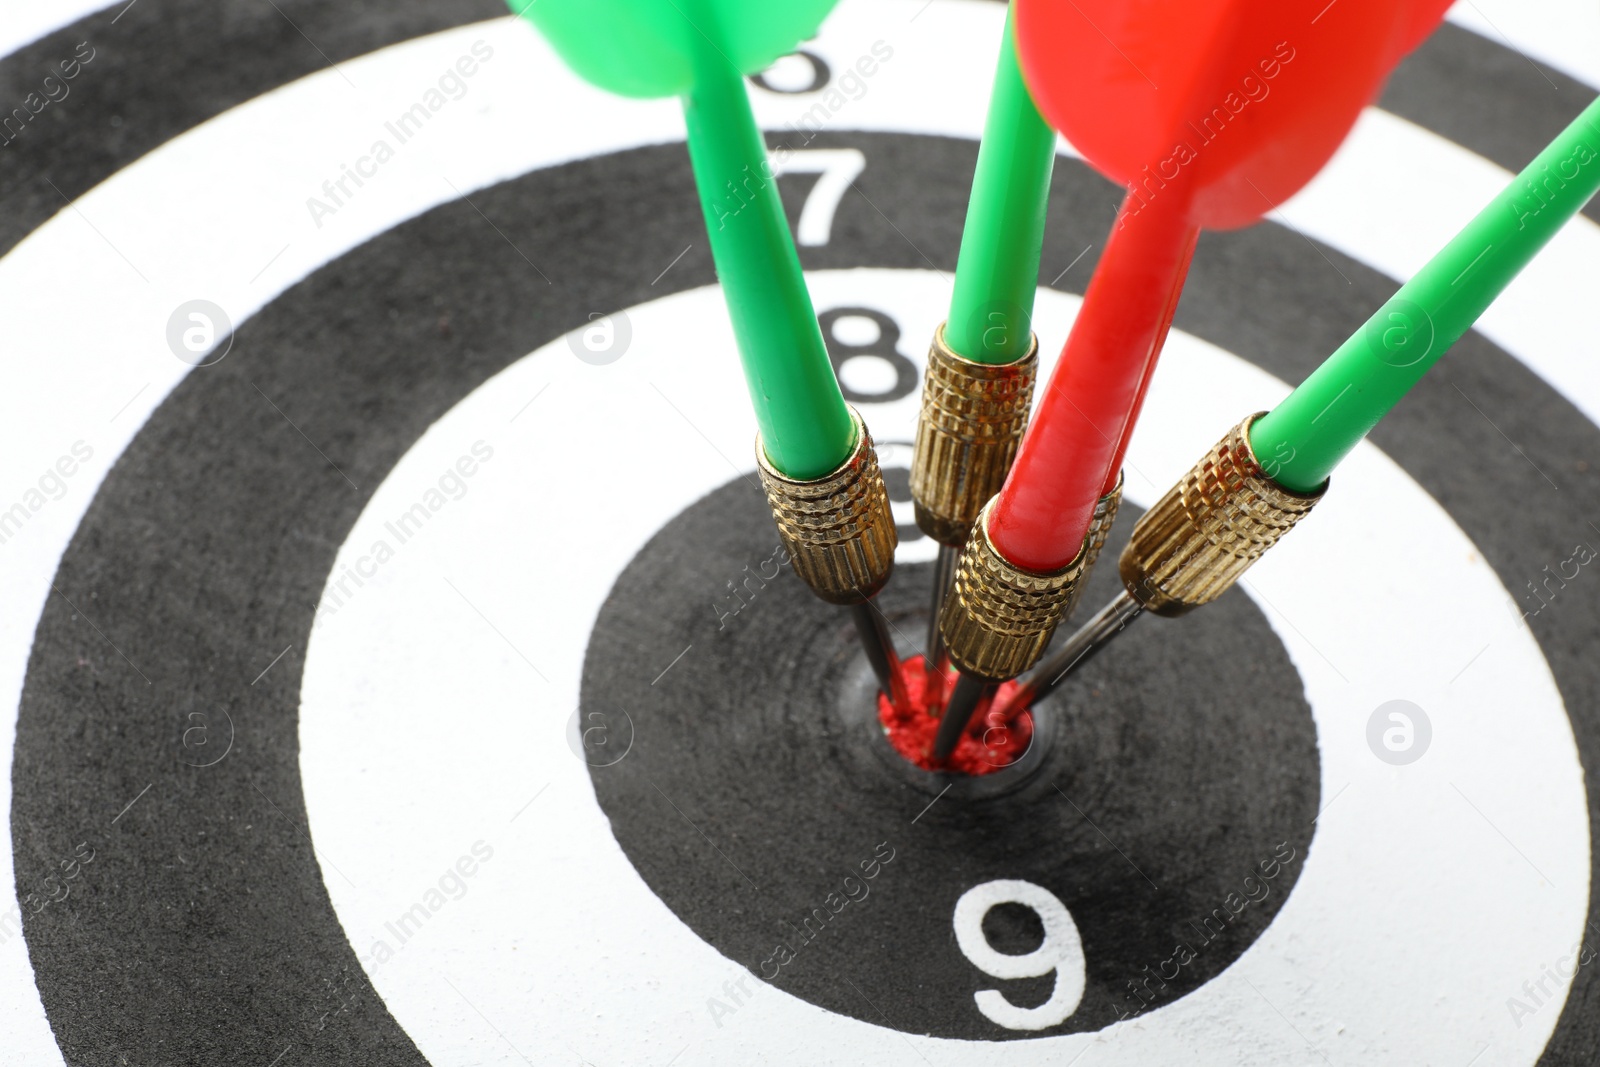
(988, 745)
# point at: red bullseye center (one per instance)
(989, 743)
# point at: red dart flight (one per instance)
(1210, 113)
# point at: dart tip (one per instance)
(964, 700)
(1006, 709)
(873, 629)
(937, 656)
(1078, 649)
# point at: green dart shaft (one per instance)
(1301, 440)
(805, 426)
(997, 272)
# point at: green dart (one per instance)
(1267, 472)
(814, 454)
(1304, 438)
(982, 364)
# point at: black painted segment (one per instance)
(159, 68)
(1157, 800)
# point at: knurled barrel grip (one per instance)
(998, 617)
(972, 420)
(837, 529)
(1210, 528)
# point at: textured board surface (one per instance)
(380, 698)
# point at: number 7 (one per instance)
(838, 167)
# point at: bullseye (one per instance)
(989, 743)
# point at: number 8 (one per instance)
(1061, 952)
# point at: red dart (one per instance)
(1210, 113)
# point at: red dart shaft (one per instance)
(1073, 449)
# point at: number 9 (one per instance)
(1061, 952)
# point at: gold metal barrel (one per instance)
(972, 420)
(1207, 531)
(837, 529)
(998, 617)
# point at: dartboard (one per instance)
(406, 668)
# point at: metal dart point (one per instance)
(964, 700)
(1078, 649)
(873, 630)
(944, 574)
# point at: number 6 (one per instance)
(1061, 952)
